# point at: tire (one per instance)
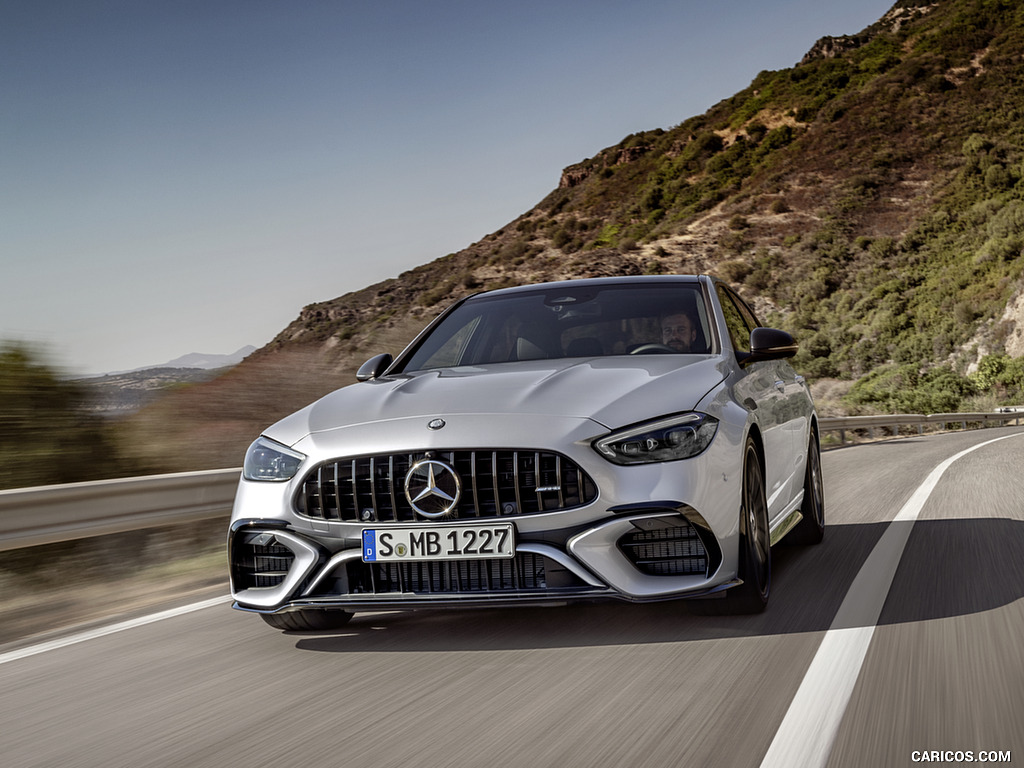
(308, 619)
(811, 529)
(755, 555)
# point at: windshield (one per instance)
(575, 321)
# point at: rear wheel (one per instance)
(315, 619)
(811, 529)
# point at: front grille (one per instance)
(525, 572)
(259, 561)
(670, 551)
(494, 484)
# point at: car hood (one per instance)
(612, 391)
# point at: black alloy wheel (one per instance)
(811, 529)
(755, 567)
(755, 554)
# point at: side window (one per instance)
(748, 314)
(738, 319)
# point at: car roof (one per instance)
(595, 282)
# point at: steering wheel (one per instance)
(653, 349)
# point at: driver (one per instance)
(678, 331)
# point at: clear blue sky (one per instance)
(185, 175)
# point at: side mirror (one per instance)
(374, 367)
(770, 344)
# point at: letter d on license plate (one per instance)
(468, 542)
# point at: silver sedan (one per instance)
(635, 438)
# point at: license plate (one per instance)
(466, 542)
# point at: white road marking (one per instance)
(92, 634)
(809, 729)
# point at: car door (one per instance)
(764, 386)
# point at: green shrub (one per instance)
(906, 389)
(48, 432)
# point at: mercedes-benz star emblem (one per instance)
(432, 488)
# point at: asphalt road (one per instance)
(941, 672)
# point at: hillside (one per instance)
(119, 394)
(869, 199)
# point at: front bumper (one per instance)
(647, 552)
(652, 532)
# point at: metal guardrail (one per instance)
(894, 421)
(32, 516)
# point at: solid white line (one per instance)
(92, 634)
(809, 729)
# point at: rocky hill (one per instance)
(869, 199)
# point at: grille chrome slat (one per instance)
(336, 488)
(513, 483)
(494, 478)
(391, 485)
(353, 484)
(516, 482)
(373, 484)
(475, 483)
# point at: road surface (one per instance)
(844, 669)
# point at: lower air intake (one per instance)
(524, 573)
(674, 550)
(259, 561)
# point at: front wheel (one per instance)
(755, 554)
(307, 619)
(755, 566)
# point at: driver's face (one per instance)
(677, 332)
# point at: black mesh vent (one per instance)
(259, 564)
(669, 551)
(525, 572)
(494, 484)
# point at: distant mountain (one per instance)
(124, 392)
(869, 199)
(209, 362)
(202, 360)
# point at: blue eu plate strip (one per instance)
(369, 547)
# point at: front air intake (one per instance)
(259, 560)
(673, 550)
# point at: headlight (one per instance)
(676, 437)
(267, 460)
